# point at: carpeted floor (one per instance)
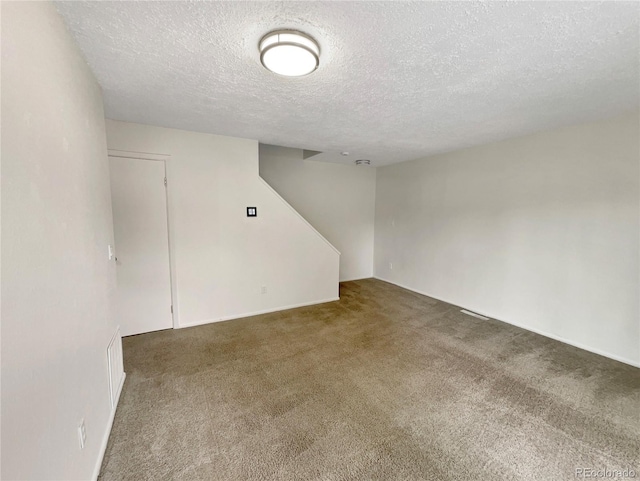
(384, 384)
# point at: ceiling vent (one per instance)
(363, 162)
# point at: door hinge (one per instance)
(171, 309)
(165, 181)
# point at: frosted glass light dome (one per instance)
(289, 53)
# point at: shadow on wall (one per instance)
(337, 199)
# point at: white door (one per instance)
(138, 196)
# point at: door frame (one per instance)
(134, 155)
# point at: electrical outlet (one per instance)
(391, 265)
(82, 434)
(263, 289)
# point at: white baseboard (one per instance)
(105, 439)
(356, 279)
(523, 326)
(256, 313)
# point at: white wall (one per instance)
(57, 281)
(220, 257)
(540, 231)
(338, 200)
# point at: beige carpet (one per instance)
(384, 384)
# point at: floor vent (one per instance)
(116, 367)
(469, 313)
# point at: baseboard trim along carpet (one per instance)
(383, 384)
(107, 433)
(522, 326)
(356, 279)
(255, 313)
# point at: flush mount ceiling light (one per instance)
(289, 52)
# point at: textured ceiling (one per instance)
(397, 80)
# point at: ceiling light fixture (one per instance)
(289, 53)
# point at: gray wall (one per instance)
(336, 199)
(221, 259)
(57, 280)
(540, 231)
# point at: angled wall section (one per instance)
(225, 264)
(337, 199)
